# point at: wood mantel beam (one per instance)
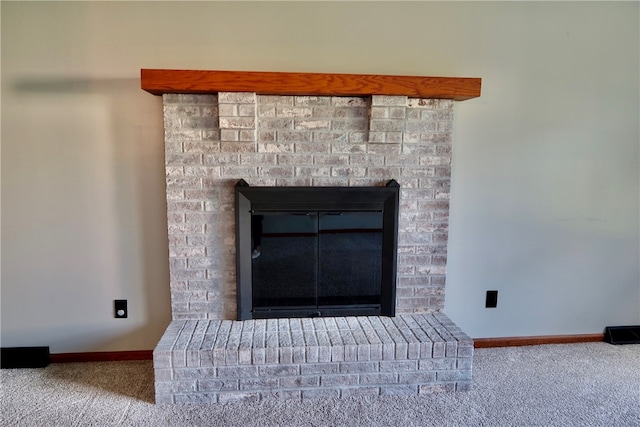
(159, 82)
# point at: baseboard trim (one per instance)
(102, 356)
(114, 356)
(536, 340)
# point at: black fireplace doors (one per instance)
(316, 251)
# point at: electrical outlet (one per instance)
(120, 308)
(492, 299)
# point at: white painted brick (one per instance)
(336, 331)
(237, 123)
(386, 100)
(359, 367)
(300, 381)
(379, 378)
(246, 110)
(312, 147)
(229, 135)
(349, 101)
(398, 390)
(293, 112)
(276, 148)
(359, 391)
(384, 148)
(188, 120)
(247, 396)
(338, 380)
(348, 148)
(436, 388)
(312, 100)
(236, 98)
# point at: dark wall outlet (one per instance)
(120, 308)
(492, 299)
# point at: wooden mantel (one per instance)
(159, 82)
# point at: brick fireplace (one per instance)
(218, 131)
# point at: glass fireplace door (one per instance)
(284, 265)
(316, 263)
(316, 251)
(350, 259)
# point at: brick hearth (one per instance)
(209, 361)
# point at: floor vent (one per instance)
(24, 357)
(622, 334)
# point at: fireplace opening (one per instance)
(316, 251)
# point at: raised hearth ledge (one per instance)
(158, 82)
(219, 361)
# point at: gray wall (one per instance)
(545, 185)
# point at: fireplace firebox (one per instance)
(316, 251)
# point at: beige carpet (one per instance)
(592, 384)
